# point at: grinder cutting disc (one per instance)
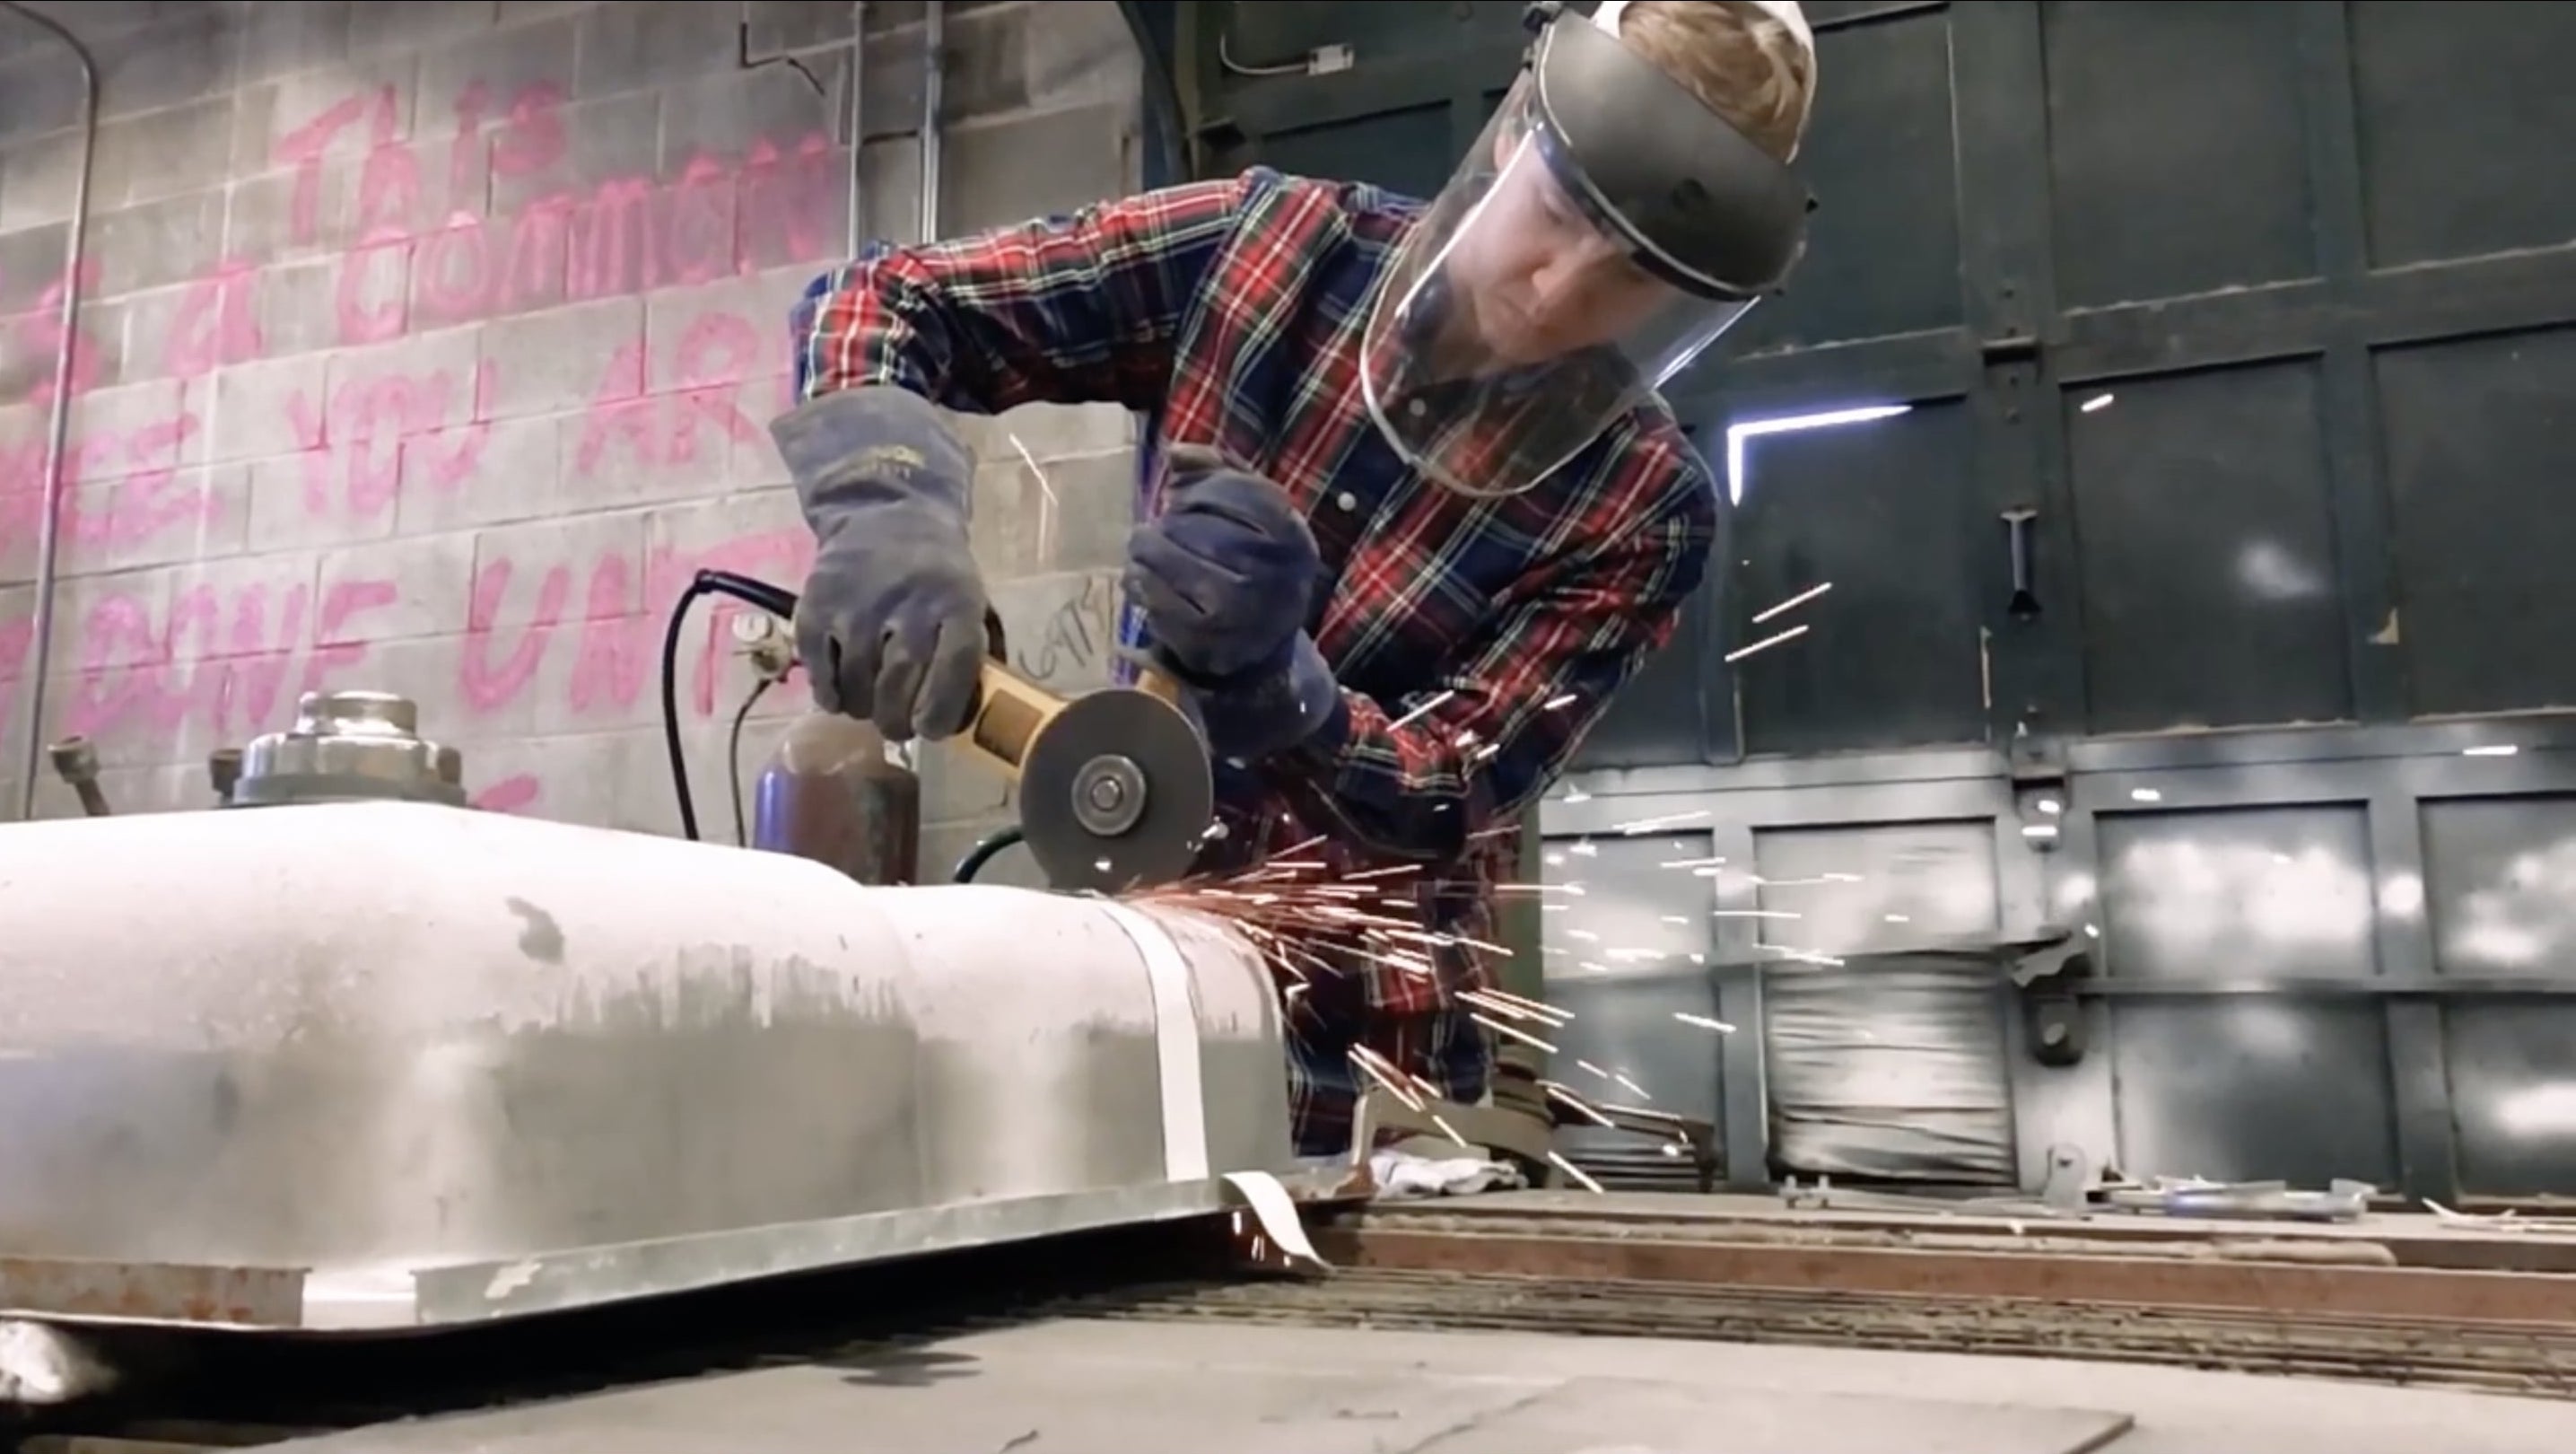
(1115, 793)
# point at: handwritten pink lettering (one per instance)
(412, 239)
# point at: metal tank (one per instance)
(830, 793)
(394, 1064)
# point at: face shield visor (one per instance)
(1605, 229)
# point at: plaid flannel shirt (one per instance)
(1475, 641)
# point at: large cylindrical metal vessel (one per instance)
(831, 794)
(463, 1065)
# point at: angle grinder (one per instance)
(1115, 786)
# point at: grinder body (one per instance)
(1115, 787)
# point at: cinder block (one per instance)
(296, 305)
(163, 518)
(162, 153)
(96, 17)
(605, 141)
(515, 12)
(104, 622)
(662, 447)
(417, 587)
(696, 227)
(31, 260)
(36, 177)
(254, 410)
(285, 215)
(514, 478)
(39, 92)
(277, 39)
(335, 112)
(1051, 162)
(496, 67)
(1064, 515)
(175, 59)
(427, 669)
(492, 267)
(99, 356)
(890, 83)
(1078, 55)
(239, 606)
(719, 333)
(693, 532)
(156, 244)
(578, 544)
(644, 43)
(435, 366)
(560, 779)
(415, 24)
(724, 115)
(889, 194)
(506, 771)
(138, 426)
(592, 673)
(984, 70)
(793, 206)
(754, 464)
(778, 27)
(1061, 630)
(565, 358)
(294, 505)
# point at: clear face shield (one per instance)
(1605, 229)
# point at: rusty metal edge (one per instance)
(2412, 1246)
(189, 1294)
(2280, 1287)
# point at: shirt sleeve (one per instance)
(1426, 779)
(1077, 309)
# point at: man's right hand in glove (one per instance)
(891, 623)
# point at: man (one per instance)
(1415, 511)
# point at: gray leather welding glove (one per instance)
(891, 626)
(1225, 578)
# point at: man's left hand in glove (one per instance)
(1225, 578)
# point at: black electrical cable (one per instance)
(733, 757)
(761, 595)
(984, 850)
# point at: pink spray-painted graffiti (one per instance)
(411, 245)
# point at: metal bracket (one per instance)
(2051, 1009)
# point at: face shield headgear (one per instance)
(1605, 229)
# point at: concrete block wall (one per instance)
(429, 346)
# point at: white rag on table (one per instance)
(1401, 1174)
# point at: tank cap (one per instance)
(349, 746)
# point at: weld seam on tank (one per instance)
(1176, 1042)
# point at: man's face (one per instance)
(1539, 279)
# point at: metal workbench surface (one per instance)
(1080, 1386)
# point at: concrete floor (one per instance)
(1076, 1387)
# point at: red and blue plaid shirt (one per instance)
(1476, 641)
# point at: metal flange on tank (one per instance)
(344, 747)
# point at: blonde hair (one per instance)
(1740, 62)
